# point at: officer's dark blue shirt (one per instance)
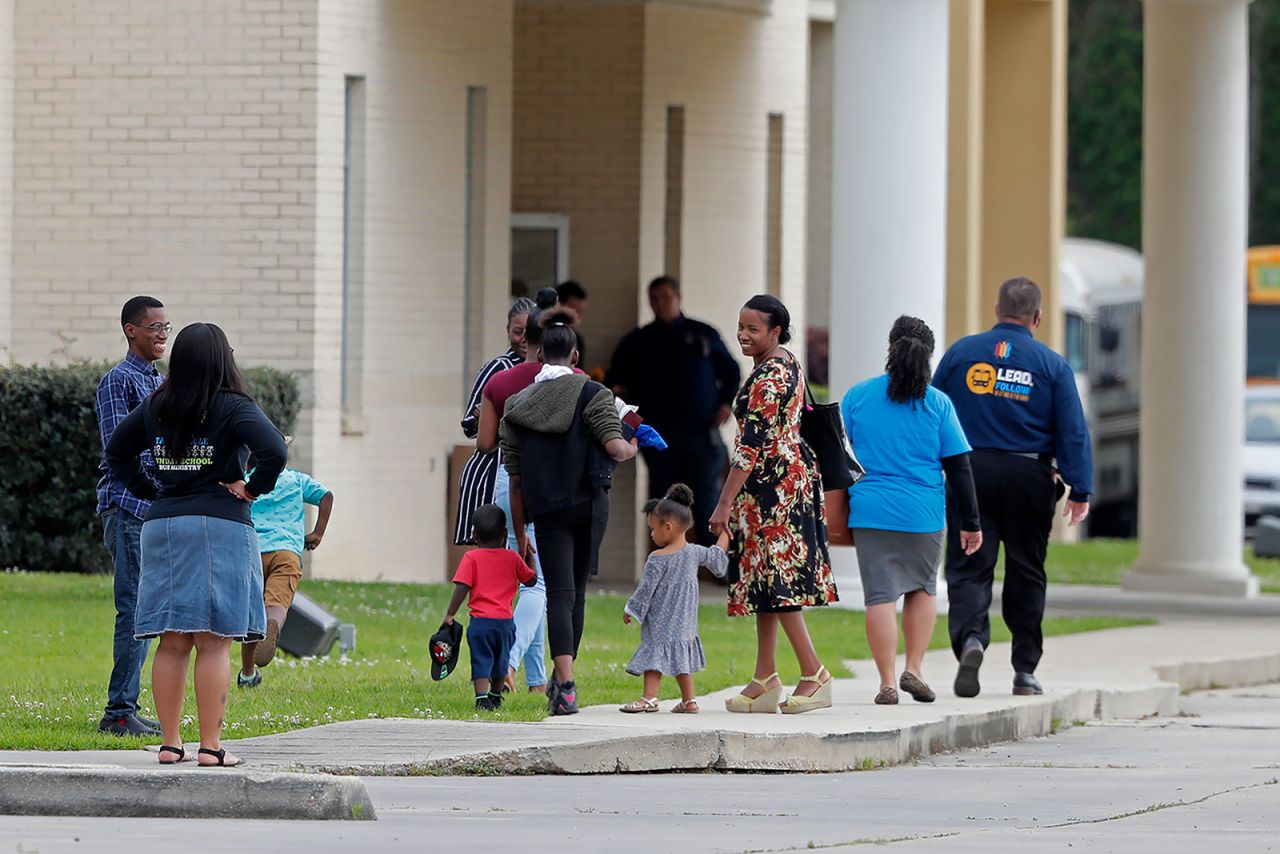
(1014, 394)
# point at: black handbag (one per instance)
(822, 428)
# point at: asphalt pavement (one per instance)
(1206, 780)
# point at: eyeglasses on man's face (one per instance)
(158, 328)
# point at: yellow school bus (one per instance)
(1263, 359)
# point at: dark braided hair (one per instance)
(910, 349)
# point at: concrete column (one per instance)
(1195, 143)
(889, 187)
(889, 177)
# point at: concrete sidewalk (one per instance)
(1120, 673)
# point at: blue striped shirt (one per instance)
(119, 393)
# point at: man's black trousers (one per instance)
(1016, 498)
(696, 460)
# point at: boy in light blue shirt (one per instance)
(279, 517)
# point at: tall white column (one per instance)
(889, 188)
(1194, 210)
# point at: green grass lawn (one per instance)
(1106, 561)
(55, 657)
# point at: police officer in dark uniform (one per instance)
(681, 375)
(1018, 404)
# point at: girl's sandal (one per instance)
(179, 750)
(221, 756)
(644, 704)
(686, 707)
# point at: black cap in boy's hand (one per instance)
(444, 647)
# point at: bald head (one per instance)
(1019, 301)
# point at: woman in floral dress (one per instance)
(771, 505)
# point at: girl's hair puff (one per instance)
(676, 506)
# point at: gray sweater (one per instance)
(549, 407)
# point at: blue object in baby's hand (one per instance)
(649, 438)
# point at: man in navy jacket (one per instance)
(1020, 409)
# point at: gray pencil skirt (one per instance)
(895, 563)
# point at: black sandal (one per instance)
(168, 748)
(221, 755)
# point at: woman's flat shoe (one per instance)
(888, 696)
(179, 751)
(765, 704)
(221, 756)
(798, 704)
(916, 687)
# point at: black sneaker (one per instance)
(253, 681)
(155, 725)
(966, 684)
(562, 698)
(484, 703)
(495, 699)
(127, 726)
(1026, 685)
(553, 691)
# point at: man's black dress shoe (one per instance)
(966, 684)
(1025, 685)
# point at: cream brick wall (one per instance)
(164, 147)
(193, 150)
(729, 70)
(6, 178)
(578, 89)
(418, 58)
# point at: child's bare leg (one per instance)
(685, 681)
(246, 657)
(482, 686)
(652, 681)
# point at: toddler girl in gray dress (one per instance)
(666, 602)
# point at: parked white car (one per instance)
(1261, 454)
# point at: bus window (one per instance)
(1263, 342)
(1075, 336)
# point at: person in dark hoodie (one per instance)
(561, 439)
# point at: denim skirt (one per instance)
(200, 574)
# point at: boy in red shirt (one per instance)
(490, 576)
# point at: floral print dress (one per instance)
(778, 556)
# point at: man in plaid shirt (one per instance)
(124, 387)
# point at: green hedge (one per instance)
(49, 454)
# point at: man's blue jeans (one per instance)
(121, 532)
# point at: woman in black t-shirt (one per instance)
(201, 581)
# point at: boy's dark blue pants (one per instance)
(490, 641)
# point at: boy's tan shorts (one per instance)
(281, 571)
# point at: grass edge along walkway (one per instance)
(55, 658)
(1104, 562)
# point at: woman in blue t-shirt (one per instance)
(906, 435)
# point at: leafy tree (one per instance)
(1104, 123)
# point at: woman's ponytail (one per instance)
(910, 351)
